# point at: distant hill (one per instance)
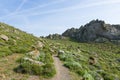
(55, 36)
(94, 31)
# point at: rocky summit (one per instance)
(94, 31)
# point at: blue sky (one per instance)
(43, 17)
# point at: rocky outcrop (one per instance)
(95, 30)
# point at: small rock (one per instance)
(61, 52)
(2, 76)
(15, 31)
(33, 61)
(39, 44)
(92, 60)
(35, 54)
(17, 37)
(118, 60)
(15, 43)
(52, 50)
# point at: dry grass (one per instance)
(7, 64)
(75, 76)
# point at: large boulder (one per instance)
(4, 37)
(92, 60)
(61, 52)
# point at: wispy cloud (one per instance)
(30, 11)
(17, 12)
(79, 6)
(21, 5)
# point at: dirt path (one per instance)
(7, 73)
(62, 72)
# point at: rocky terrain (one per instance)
(26, 57)
(94, 31)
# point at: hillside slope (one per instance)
(90, 61)
(21, 52)
(13, 40)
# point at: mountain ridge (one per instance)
(94, 31)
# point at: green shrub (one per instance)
(46, 70)
(96, 75)
(26, 66)
(49, 70)
(48, 58)
(66, 57)
(10, 42)
(4, 51)
(19, 49)
(87, 76)
(32, 68)
(109, 76)
(80, 72)
(37, 70)
(74, 66)
(62, 57)
(42, 57)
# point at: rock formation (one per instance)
(96, 30)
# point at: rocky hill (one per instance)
(94, 31)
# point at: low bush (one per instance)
(48, 58)
(4, 51)
(66, 57)
(19, 49)
(49, 70)
(46, 69)
(87, 76)
(73, 65)
(27, 67)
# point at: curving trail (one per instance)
(62, 73)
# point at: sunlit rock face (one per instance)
(94, 30)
